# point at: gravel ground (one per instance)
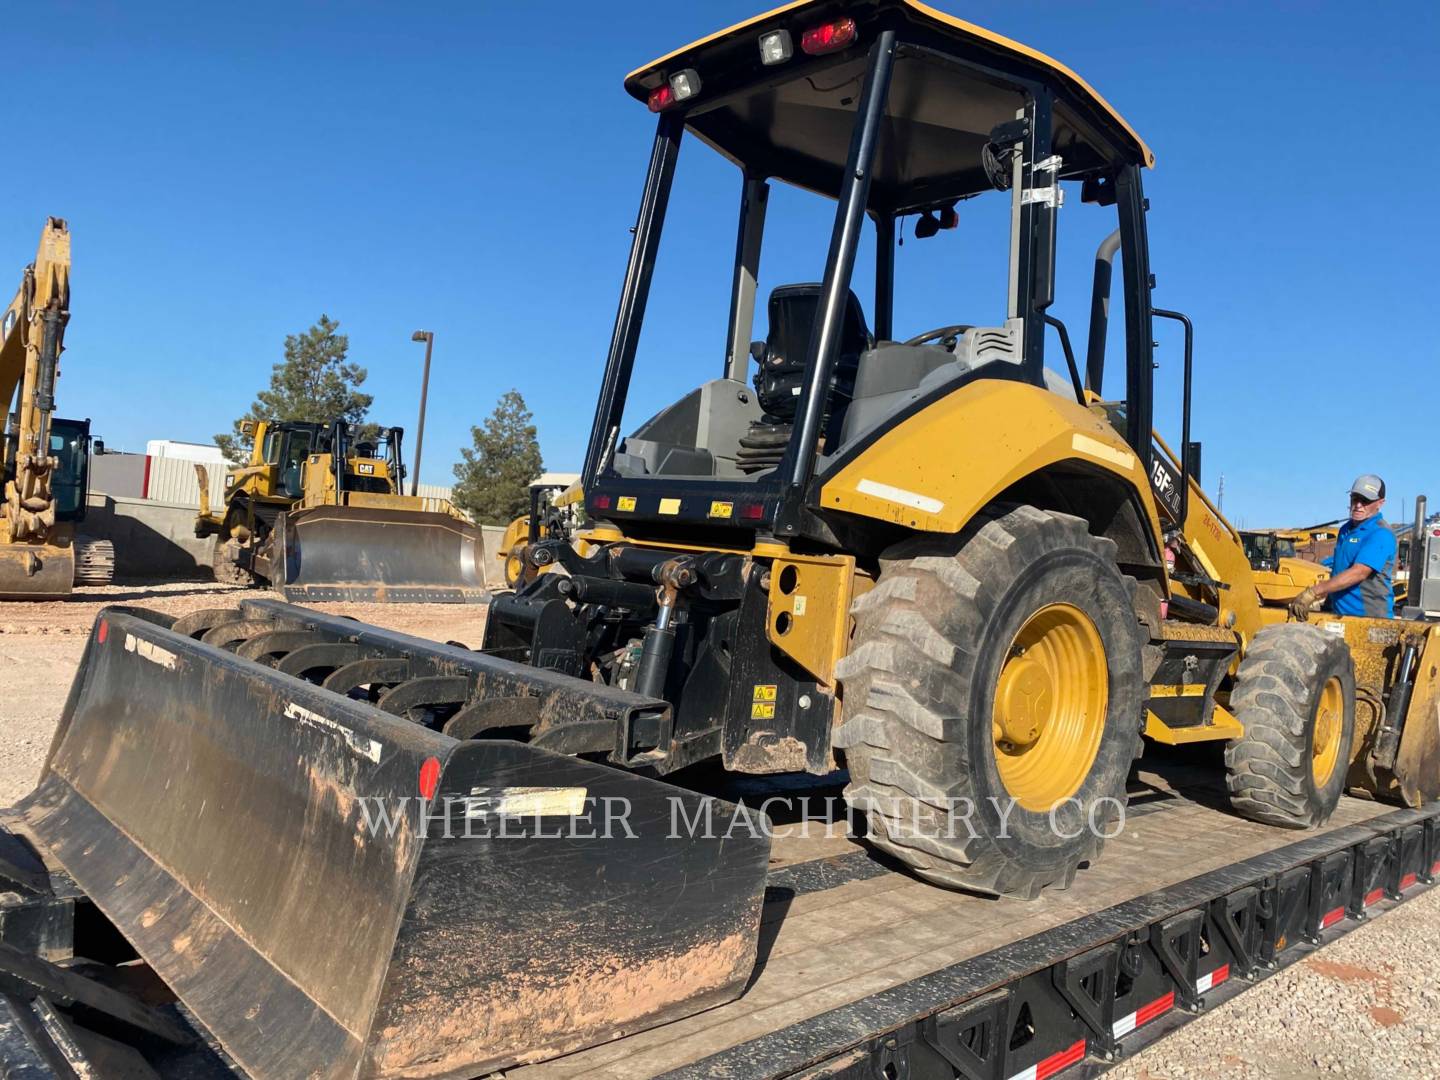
(41, 643)
(1367, 1006)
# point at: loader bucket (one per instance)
(379, 555)
(36, 571)
(1395, 755)
(335, 891)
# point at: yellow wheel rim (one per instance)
(1329, 720)
(1050, 704)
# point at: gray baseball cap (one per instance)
(1369, 487)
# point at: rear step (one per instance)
(336, 891)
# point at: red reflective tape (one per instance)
(1063, 1060)
(1407, 881)
(102, 631)
(145, 480)
(1373, 895)
(1331, 918)
(1160, 1005)
(1221, 974)
(1436, 868)
(429, 777)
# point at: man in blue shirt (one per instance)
(1363, 563)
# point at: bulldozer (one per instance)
(944, 559)
(44, 459)
(296, 521)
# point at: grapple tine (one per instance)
(338, 893)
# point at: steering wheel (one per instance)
(946, 335)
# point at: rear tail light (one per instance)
(681, 86)
(752, 511)
(828, 37)
(601, 502)
(776, 47)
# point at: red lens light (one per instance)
(827, 37)
(752, 511)
(661, 98)
(601, 502)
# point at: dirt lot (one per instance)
(41, 643)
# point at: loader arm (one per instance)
(34, 333)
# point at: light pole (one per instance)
(427, 336)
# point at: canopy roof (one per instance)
(792, 121)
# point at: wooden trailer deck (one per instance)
(840, 927)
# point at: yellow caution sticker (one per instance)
(762, 710)
(625, 502)
(722, 509)
(765, 691)
(669, 506)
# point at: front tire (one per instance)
(997, 672)
(1295, 696)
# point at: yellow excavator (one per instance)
(317, 514)
(949, 560)
(44, 460)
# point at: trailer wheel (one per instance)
(993, 699)
(1295, 695)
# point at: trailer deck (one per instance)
(865, 971)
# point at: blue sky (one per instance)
(232, 171)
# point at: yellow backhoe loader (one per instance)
(298, 520)
(945, 559)
(44, 460)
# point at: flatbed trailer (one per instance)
(863, 970)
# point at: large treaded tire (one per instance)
(919, 686)
(1277, 694)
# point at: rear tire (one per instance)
(1295, 695)
(934, 641)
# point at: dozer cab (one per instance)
(44, 459)
(318, 515)
(942, 557)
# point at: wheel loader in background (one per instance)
(924, 556)
(44, 460)
(1280, 573)
(312, 530)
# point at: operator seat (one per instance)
(792, 310)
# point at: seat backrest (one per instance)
(792, 310)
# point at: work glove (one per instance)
(1301, 605)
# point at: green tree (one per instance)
(315, 383)
(494, 479)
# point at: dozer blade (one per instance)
(36, 571)
(266, 846)
(379, 555)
